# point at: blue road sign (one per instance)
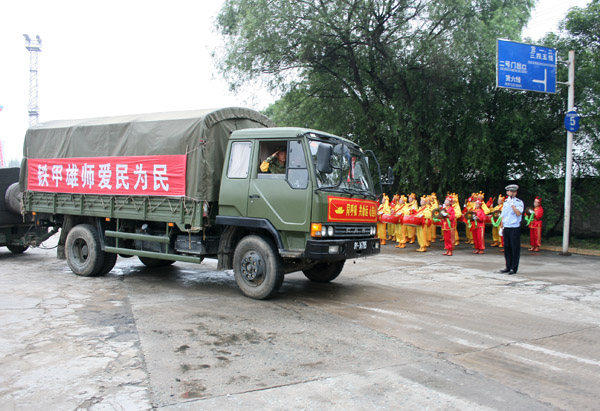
(572, 121)
(525, 67)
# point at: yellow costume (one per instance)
(470, 206)
(411, 208)
(496, 240)
(400, 228)
(384, 208)
(424, 212)
(458, 215)
(433, 204)
(391, 228)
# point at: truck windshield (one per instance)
(349, 170)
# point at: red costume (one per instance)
(448, 226)
(535, 227)
(478, 228)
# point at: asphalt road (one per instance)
(402, 330)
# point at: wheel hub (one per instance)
(252, 267)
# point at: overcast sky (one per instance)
(112, 57)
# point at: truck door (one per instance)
(233, 198)
(284, 199)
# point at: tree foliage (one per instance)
(414, 80)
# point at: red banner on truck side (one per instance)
(351, 210)
(131, 175)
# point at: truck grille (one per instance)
(352, 231)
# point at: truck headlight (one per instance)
(330, 231)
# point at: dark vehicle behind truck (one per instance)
(16, 232)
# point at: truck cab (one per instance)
(317, 213)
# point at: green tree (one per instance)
(413, 80)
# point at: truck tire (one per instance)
(110, 259)
(324, 272)
(17, 249)
(84, 253)
(155, 262)
(257, 267)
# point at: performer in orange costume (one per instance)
(535, 227)
(478, 228)
(448, 225)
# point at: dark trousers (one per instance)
(512, 247)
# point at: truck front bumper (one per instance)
(335, 250)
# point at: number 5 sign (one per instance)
(572, 121)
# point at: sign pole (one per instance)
(569, 159)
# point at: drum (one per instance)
(389, 219)
(412, 220)
(399, 217)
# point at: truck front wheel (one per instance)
(84, 253)
(324, 272)
(258, 267)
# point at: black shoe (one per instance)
(504, 271)
(511, 272)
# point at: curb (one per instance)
(582, 251)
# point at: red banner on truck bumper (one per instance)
(351, 210)
(132, 175)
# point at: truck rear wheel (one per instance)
(155, 262)
(257, 267)
(17, 249)
(324, 272)
(84, 253)
(110, 259)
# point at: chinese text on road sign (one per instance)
(525, 67)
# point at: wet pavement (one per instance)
(403, 330)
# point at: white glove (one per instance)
(474, 217)
(500, 232)
(444, 214)
(531, 211)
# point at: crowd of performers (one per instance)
(406, 220)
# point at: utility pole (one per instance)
(569, 157)
(34, 46)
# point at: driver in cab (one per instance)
(275, 163)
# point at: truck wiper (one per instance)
(337, 189)
(328, 188)
(363, 193)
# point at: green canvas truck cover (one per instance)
(201, 134)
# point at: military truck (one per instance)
(186, 186)
(16, 233)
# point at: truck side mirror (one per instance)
(323, 158)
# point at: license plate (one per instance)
(360, 245)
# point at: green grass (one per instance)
(587, 243)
